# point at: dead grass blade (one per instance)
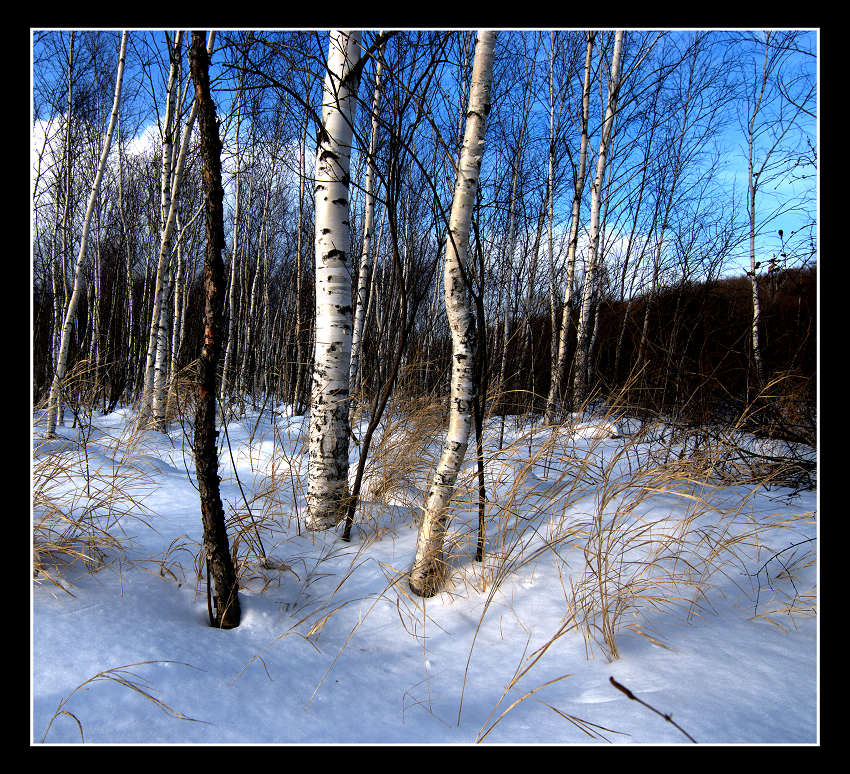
(122, 675)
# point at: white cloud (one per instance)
(147, 140)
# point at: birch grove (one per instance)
(559, 363)
(155, 361)
(641, 231)
(767, 156)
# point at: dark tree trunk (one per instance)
(219, 563)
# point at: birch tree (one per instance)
(60, 301)
(427, 573)
(231, 292)
(158, 332)
(510, 244)
(155, 356)
(767, 159)
(584, 330)
(365, 269)
(219, 563)
(327, 486)
(559, 363)
(79, 281)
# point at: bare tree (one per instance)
(584, 330)
(767, 159)
(62, 357)
(428, 568)
(559, 364)
(219, 563)
(365, 270)
(327, 489)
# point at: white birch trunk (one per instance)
(249, 353)
(752, 187)
(509, 269)
(584, 332)
(295, 392)
(158, 331)
(176, 329)
(549, 416)
(66, 206)
(563, 336)
(327, 485)
(95, 348)
(365, 269)
(57, 299)
(155, 358)
(371, 303)
(129, 359)
(62, 359)
(231, 293)
(756, 340)
(165, 367)
(158, 335)
(428, 567)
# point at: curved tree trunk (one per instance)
(428, 568)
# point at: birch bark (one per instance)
(161, 289)
(231, 293)
(62, 358)
(249, 369)
(583, 343)
(327, 484)
(176, 329)
(511, 242)
(752, 188)
(428, 572)
(559, 365)
(368, 227)
(128, 271)
(155, 356)
(295, 392)
(61, 304)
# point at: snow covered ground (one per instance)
(604, 559)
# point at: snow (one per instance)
(714, 626)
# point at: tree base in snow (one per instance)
(426, 579)
(328, 512)
(227, 616)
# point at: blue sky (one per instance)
(140, 90)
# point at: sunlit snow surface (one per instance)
(333, 649)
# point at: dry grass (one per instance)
(641, 532)
(650, 538)
(641, 526)
(125, 677)
(84, 489)
(403, 456)
(643, 523)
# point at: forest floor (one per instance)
(614, 550)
